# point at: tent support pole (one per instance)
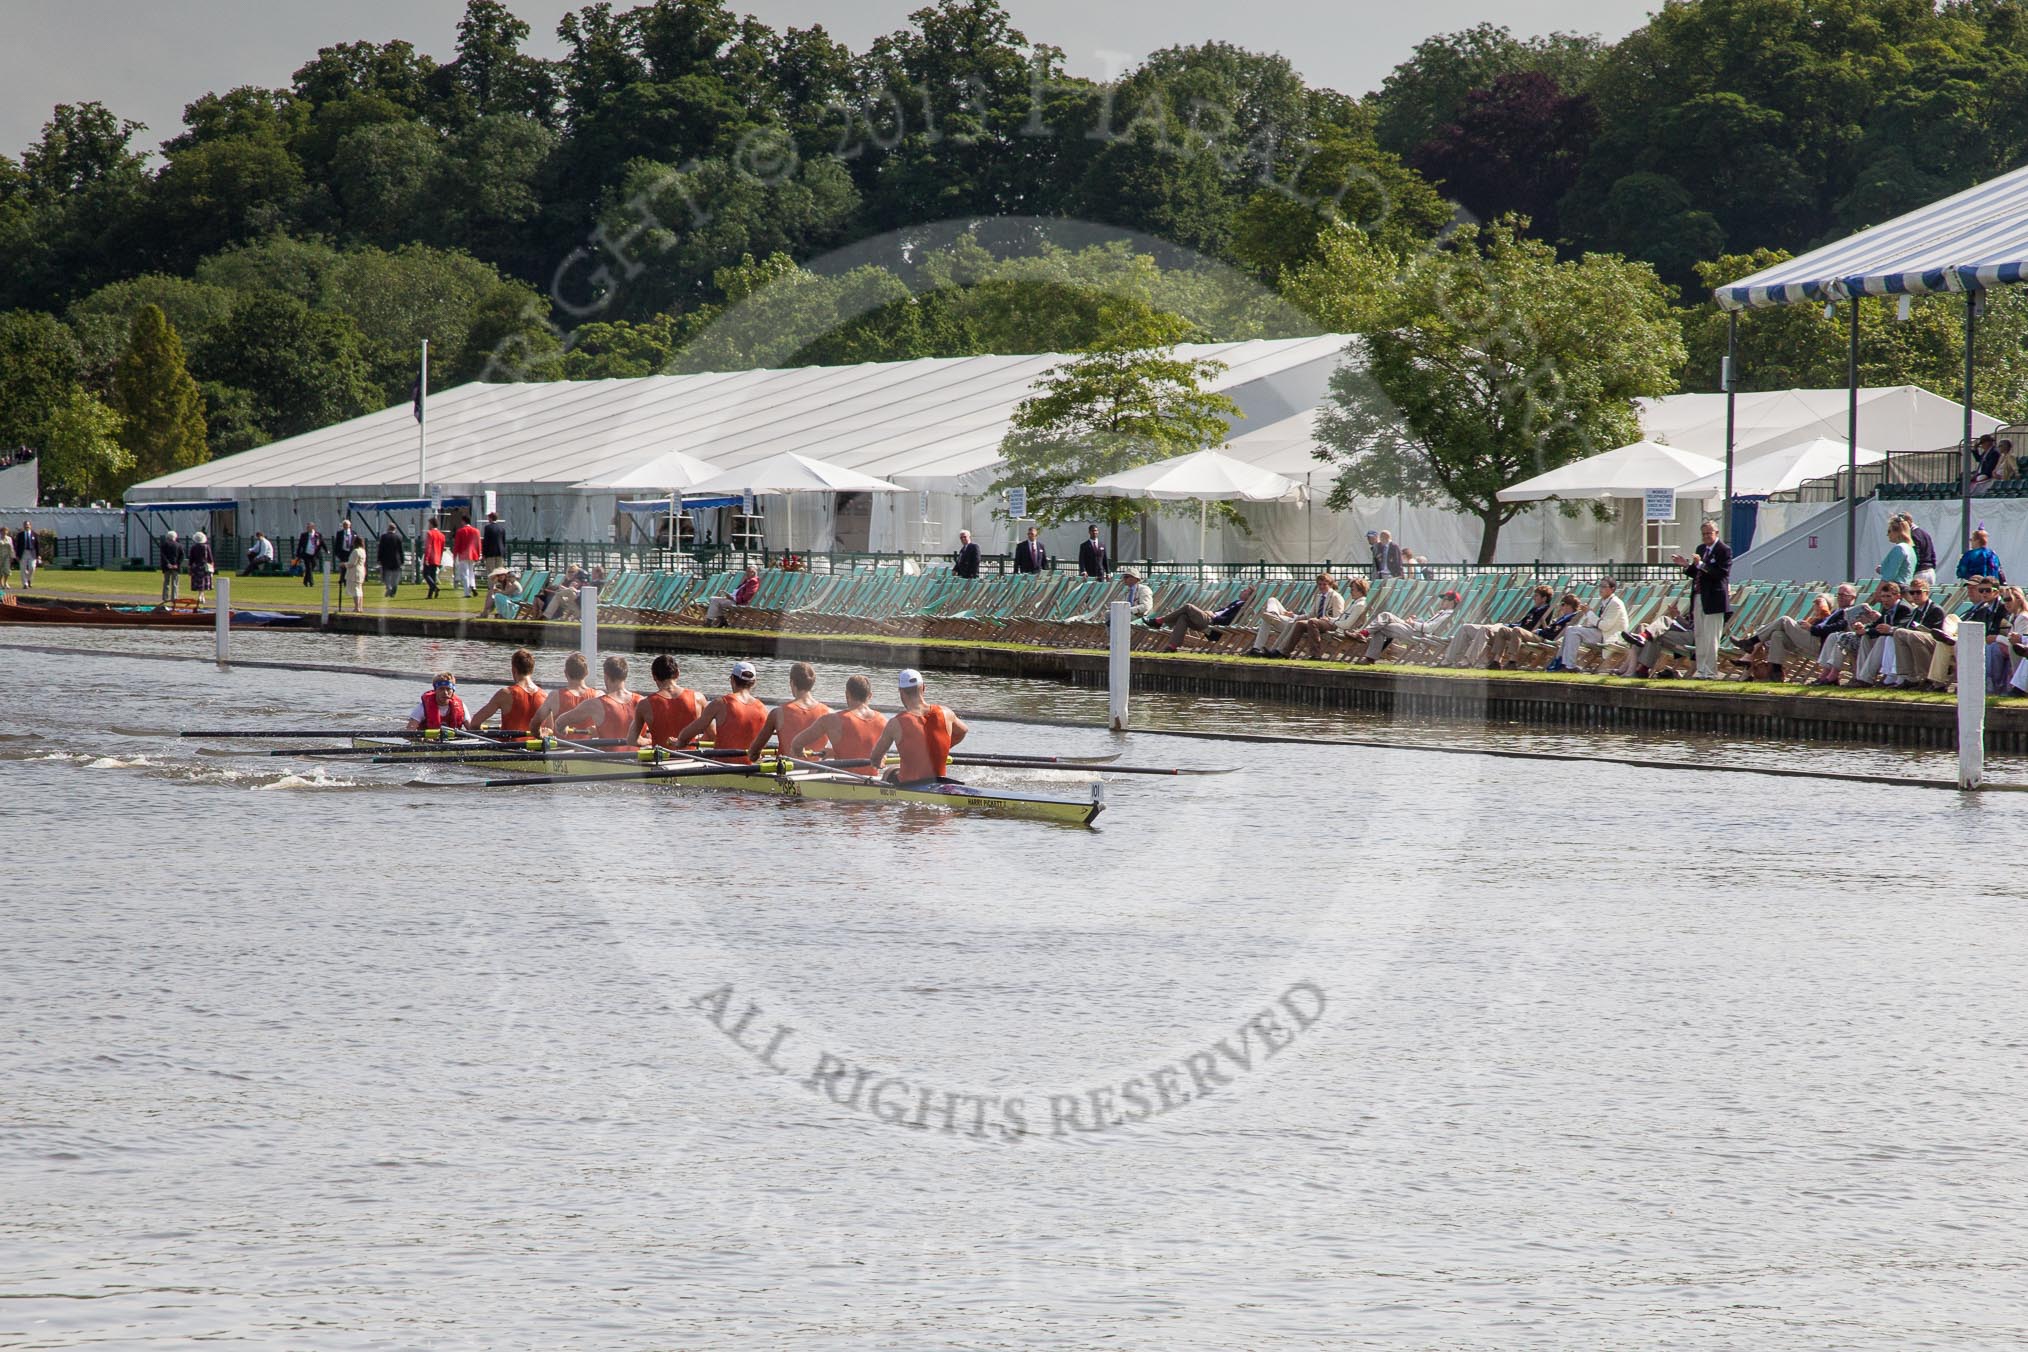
(1730, 380)
(1852, 445)
(1965, 461)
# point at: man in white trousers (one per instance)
(1601, 627)
(1710, 574)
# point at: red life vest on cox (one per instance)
(434, 715)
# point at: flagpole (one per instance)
(422, 423)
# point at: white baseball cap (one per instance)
(743, 671)
(909, 679)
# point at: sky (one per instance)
(146, 59)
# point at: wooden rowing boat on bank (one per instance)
(18, 609)
(546, 757)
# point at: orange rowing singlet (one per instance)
(923, 737)
(858, 730)
(522, 702)
(670, 714)
(619, 712)
(568, 699)
(791, 719)
(740, 716)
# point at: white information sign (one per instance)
(1660, 504)
(1017, 504)
(922, 505)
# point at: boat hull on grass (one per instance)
(544, 757)
(97, 614)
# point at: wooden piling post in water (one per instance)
(1120, 661)
(588, 626)
(222, 624)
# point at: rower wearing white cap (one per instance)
(733, 720)
(923, 734)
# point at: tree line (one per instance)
(688, 188)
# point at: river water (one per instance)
(1351, 1048)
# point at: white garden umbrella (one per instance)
(1203, 476)
(1780, 470)
(672, 470)
(789, 474)
(1624, 472)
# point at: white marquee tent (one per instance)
(560, 455)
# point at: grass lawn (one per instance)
(251, 593)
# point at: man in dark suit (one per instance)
(344, 542)
(965, 563)
(392, 558)
(1386, 553)
(1711, 575)
(1030, 556)
(1091, 555)
(1876, 637)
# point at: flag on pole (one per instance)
(415, 394)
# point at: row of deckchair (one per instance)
(1051, 609)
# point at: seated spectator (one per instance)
(1601, 627)
(1472, 645)
(501, 589)
(1136, 593)
(1841, 637)
(260, 552)
(1390, 628)
(1768, 649)
(1875, 652)
(1503, 650)
(1655, 642)
(1311, 633)
(1278, 626)
(743, 594)
(1210, 623)
(1931, 659)
(2007, 652)
(1995, 463)
(1881, 645)
(1980, 560)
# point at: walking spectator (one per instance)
(391, 558)
(6, 559)
(1390, 628)
(1386, 554)
(310, 551)
(1925, 550)
(28, 553)
(1029, 555)
(965, 562)
(355, 575)
(465, 556)
(743, 594)
(1278, 626)
(172, 566)
(202, 565)
(1474, 644)
(1602, 626)
(1980, 560)
(1312, 632)
(432, 557)
(344, 542)
(1091, 555)
(1210, 623)
(493, 544)
(1711, 604)
(1898, 566)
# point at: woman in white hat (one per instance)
(199, 561)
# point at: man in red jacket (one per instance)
(432, 556)
(465, 556)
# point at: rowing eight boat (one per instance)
(538, 756)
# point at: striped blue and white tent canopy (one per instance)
(1971, 241)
